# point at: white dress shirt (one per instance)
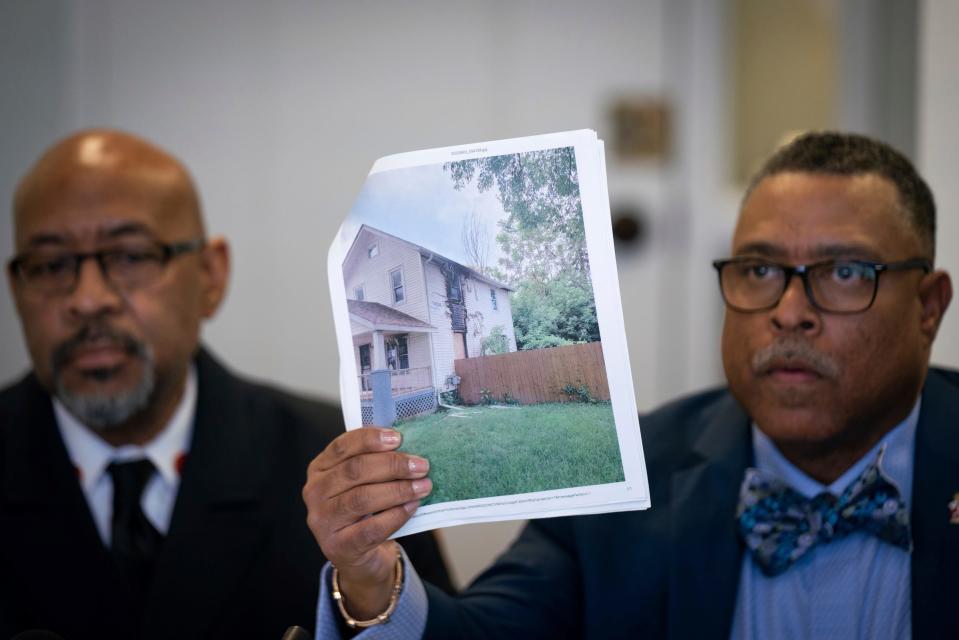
(91, 455)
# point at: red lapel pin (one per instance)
(181, 460)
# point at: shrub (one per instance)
(486, 396)
(451, 397)
(579, 393)
(508, 398)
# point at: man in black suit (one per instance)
(815, 497)
(145, 491)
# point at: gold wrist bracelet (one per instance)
(352, 622)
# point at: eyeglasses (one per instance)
(834, 286)
(127, 266)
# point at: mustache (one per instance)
(100, 334)
(793, 352)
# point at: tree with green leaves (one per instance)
(543, 241)
(496, 342)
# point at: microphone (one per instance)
(293, 633)
(37, 634)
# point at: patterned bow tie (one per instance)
(779, 525)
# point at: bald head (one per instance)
(113, 277)
(96, 164)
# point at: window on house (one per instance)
(396, 282)
(454, 289)
(397, 353)
(492, 298)
(358, 293)
(365, 358)
(373, 251)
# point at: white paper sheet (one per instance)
(410, 300)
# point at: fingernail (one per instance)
(422, 487)
(390, 438)
(419, 465)
(412, 506)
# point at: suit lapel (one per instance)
(217, 524)
(935, 559)
(706, 553)
(50, 542)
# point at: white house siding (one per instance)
(477, 297)
(418, 347)
(439, 318)
(506, 314)
(356, 328)
(425, 289)
(374, 274)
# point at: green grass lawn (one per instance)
(479, 452)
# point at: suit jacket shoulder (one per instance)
(935, 509)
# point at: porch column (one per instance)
(379, 351)
(384, 409)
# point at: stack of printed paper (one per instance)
(478, 312)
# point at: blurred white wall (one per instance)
(280, 109)
(938, 147)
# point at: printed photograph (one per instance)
(474, 324)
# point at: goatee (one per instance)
(101, 411)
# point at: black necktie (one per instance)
(135, 540)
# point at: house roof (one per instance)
(426, 253)
(376, 316)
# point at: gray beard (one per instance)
(101, 411)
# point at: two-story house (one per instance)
(414, 312)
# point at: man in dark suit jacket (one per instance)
(673, 572)
(112, 279)
(817, 496)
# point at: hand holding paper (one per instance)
(359, 491)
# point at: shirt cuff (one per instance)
(408, 620)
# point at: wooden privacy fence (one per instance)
(534, 376)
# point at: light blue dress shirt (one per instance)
(857, 587)
(406, 623)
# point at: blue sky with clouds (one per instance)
(419, 204)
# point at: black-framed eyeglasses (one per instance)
(835, 286)
(127, 266)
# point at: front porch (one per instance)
(388, 341)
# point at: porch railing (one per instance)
(401, 380)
